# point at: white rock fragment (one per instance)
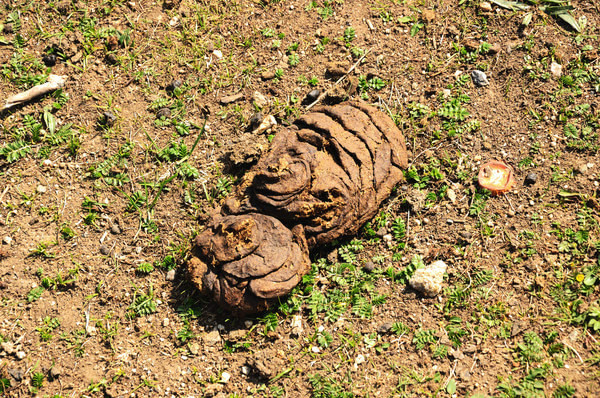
(296, 324)
(451, 195)
(225, 377)
(267, 123)
(212, 338)
(360, 358)
(170, 276)
(218, 54)
(429, 280)
(556, 69)
(8, 347)
(485, 6)
(260, 100)
(21, 355)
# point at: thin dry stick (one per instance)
(339, 80)
(4, 193)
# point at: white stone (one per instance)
(429, 280)
(21, 354)
(7, 240)
(556, 69)
(7, 347)
(485, 6)
(267, 123)
(41, 189)
(451, 195)
(170, 276)
(218, 54)
(212, 338)
(260, 100)
(225, 377)
(296, 324)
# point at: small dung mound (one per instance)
(321, 179)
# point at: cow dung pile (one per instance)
(321, 179)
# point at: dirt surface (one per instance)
(105, 184)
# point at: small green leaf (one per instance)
(451, 387)
(568, 18)
(511, 5)
(50, 122)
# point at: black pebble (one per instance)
(49, 59)
(164, 112)
(173, 85)
(530, 179)
(311, 97)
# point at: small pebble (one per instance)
(104, 250)
(166, 322)
(111, 59)
(7, 347)
(49, 60)
(385, 328)
(164, 112)
(267, 75)
(530, 179)
(256, 120)
(556, 69)
(7, 240)
(429, 280)
(466, 235)
(194, 348)
(485, 6)
(479, 78)
(260, 100)
(41, 189)
(108, 119)
(487, 145)
(115, 229)
(296, 325)
(311, 96)
(225, 377)
(16, 374)
(21, 355)
(173, 85)
(369, 266)
(55, 372)
(170, 276)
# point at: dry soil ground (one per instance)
(104, 183)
